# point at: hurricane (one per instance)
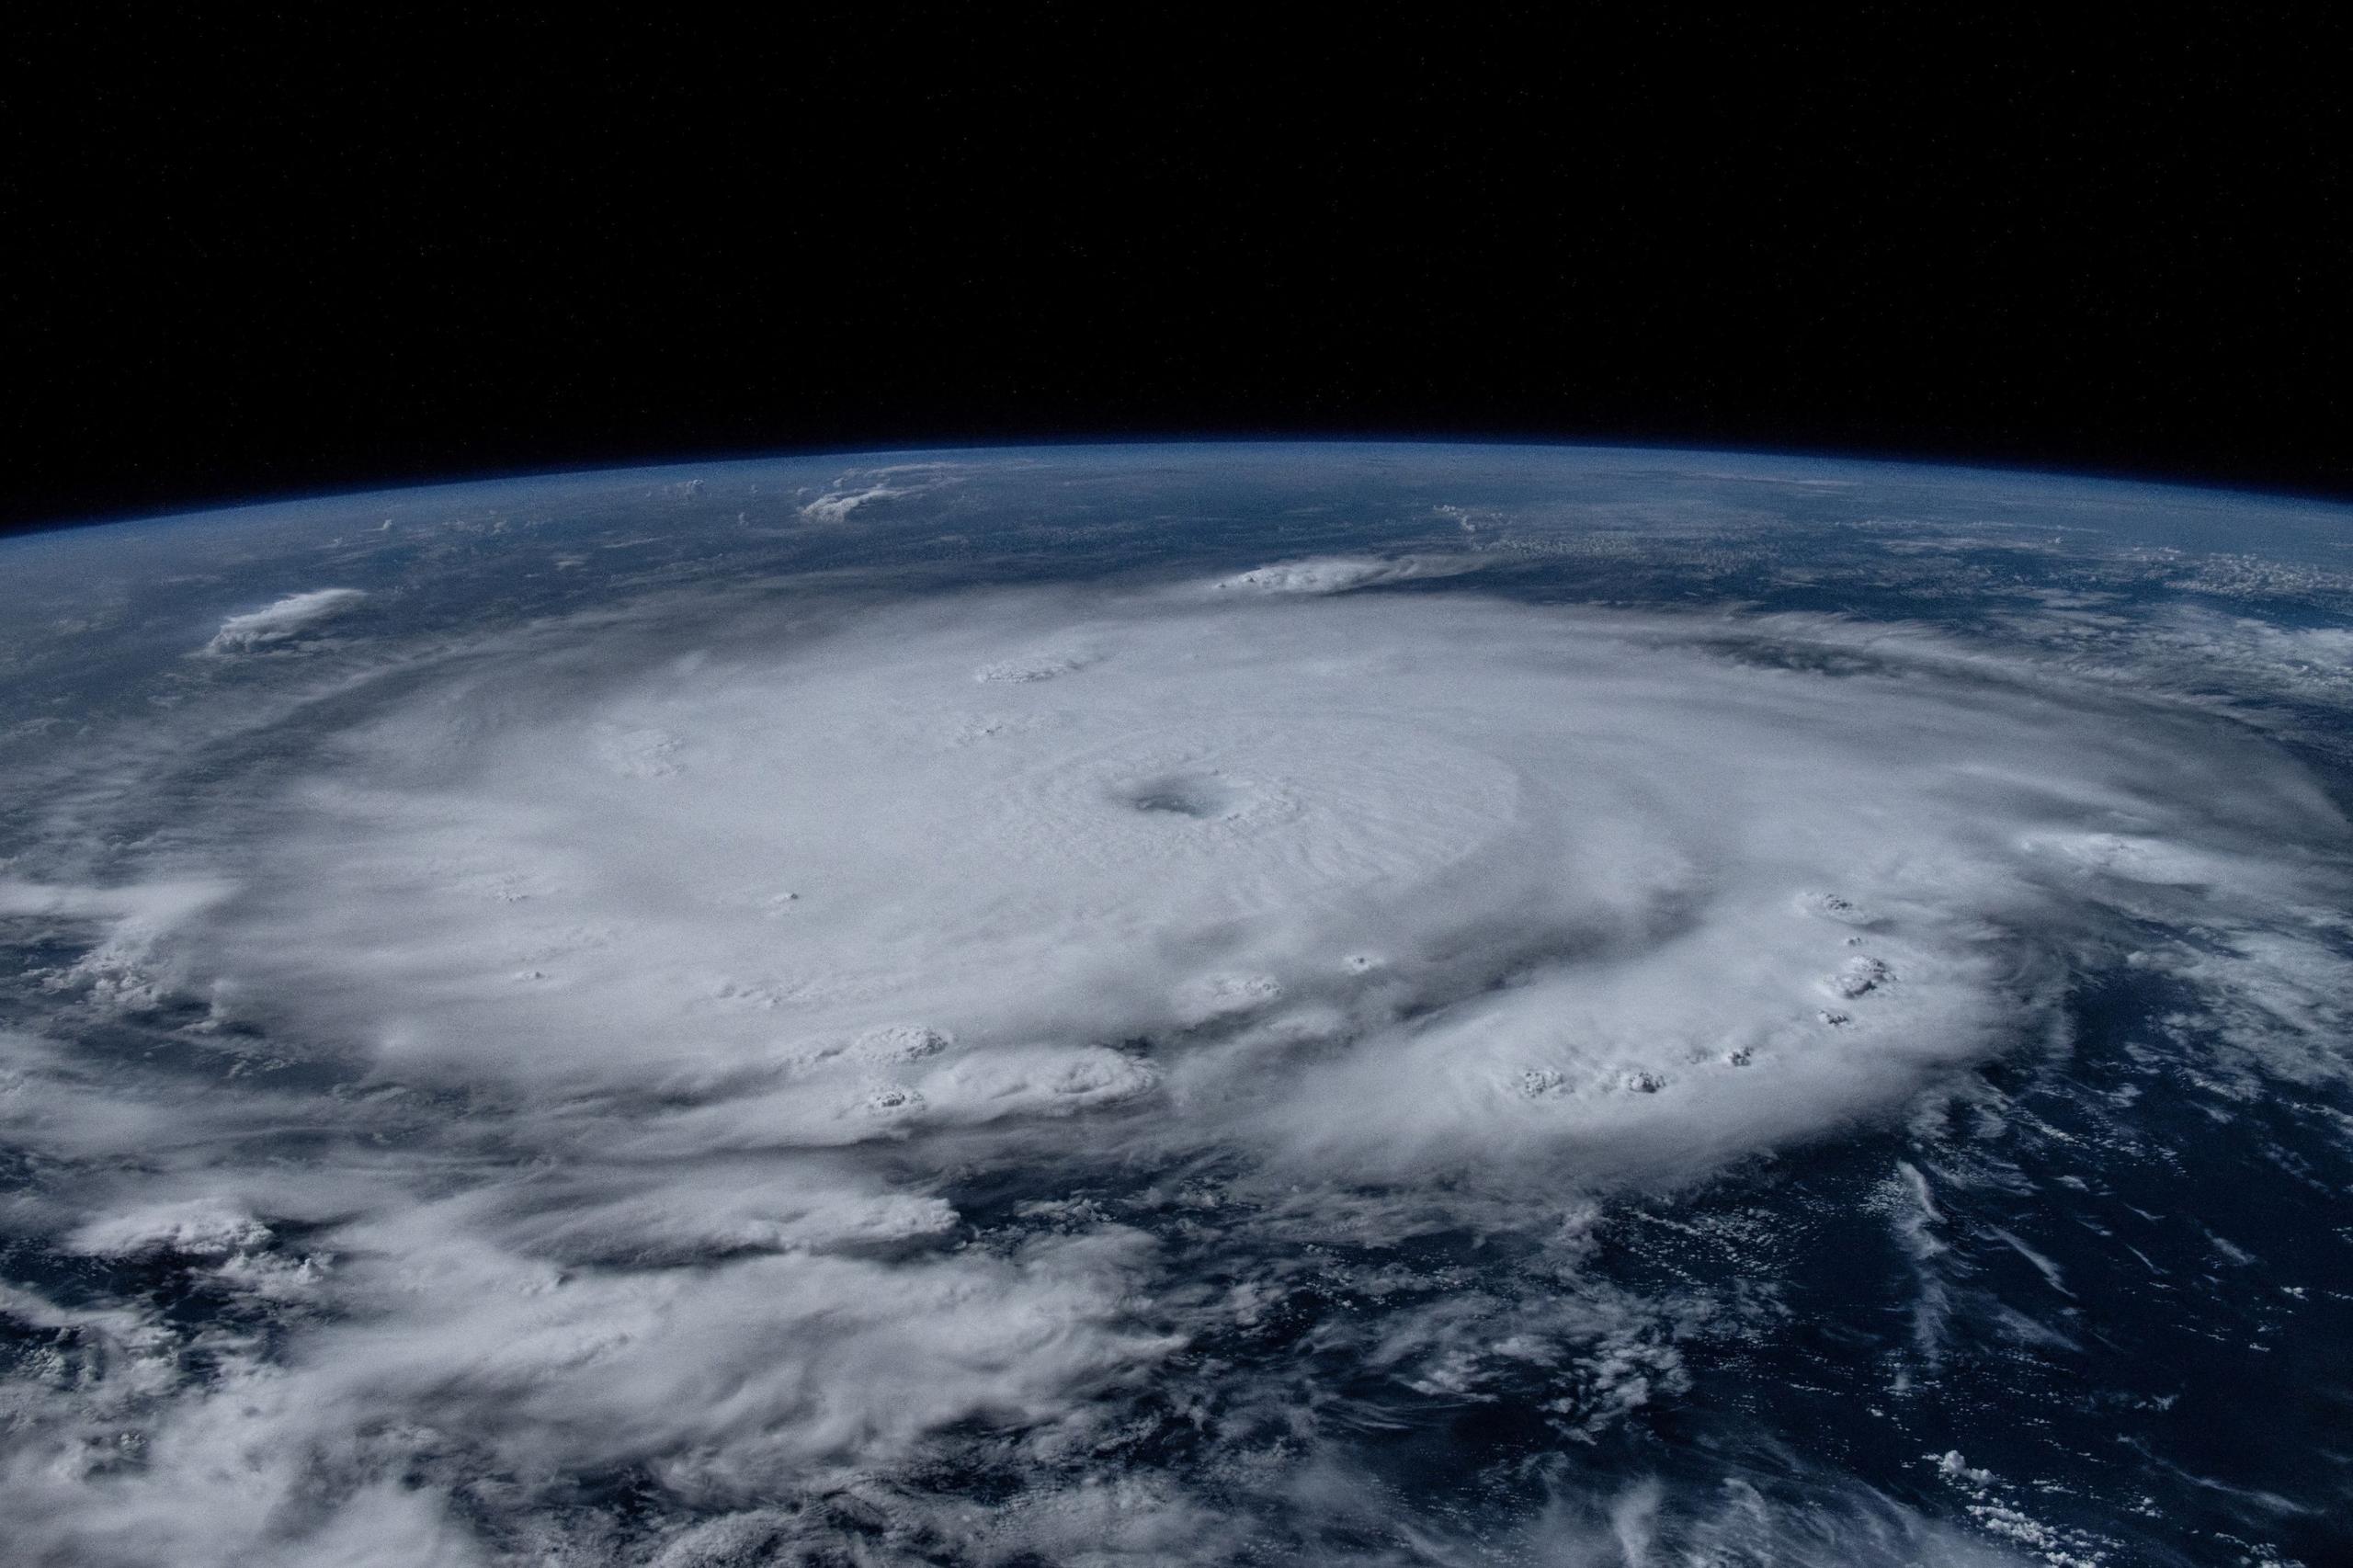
(1250, 1005)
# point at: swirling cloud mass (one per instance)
(878, 1079)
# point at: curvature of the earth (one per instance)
(1216, 1004)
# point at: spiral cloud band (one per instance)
(812, 1060)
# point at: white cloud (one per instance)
(1339, 573)
(1624, 824)
(205, 1226)
(835, 504)
(282, 621)
(864, 487)
(667, 1040)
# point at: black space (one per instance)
(289, 255)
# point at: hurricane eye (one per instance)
(1202, 796)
